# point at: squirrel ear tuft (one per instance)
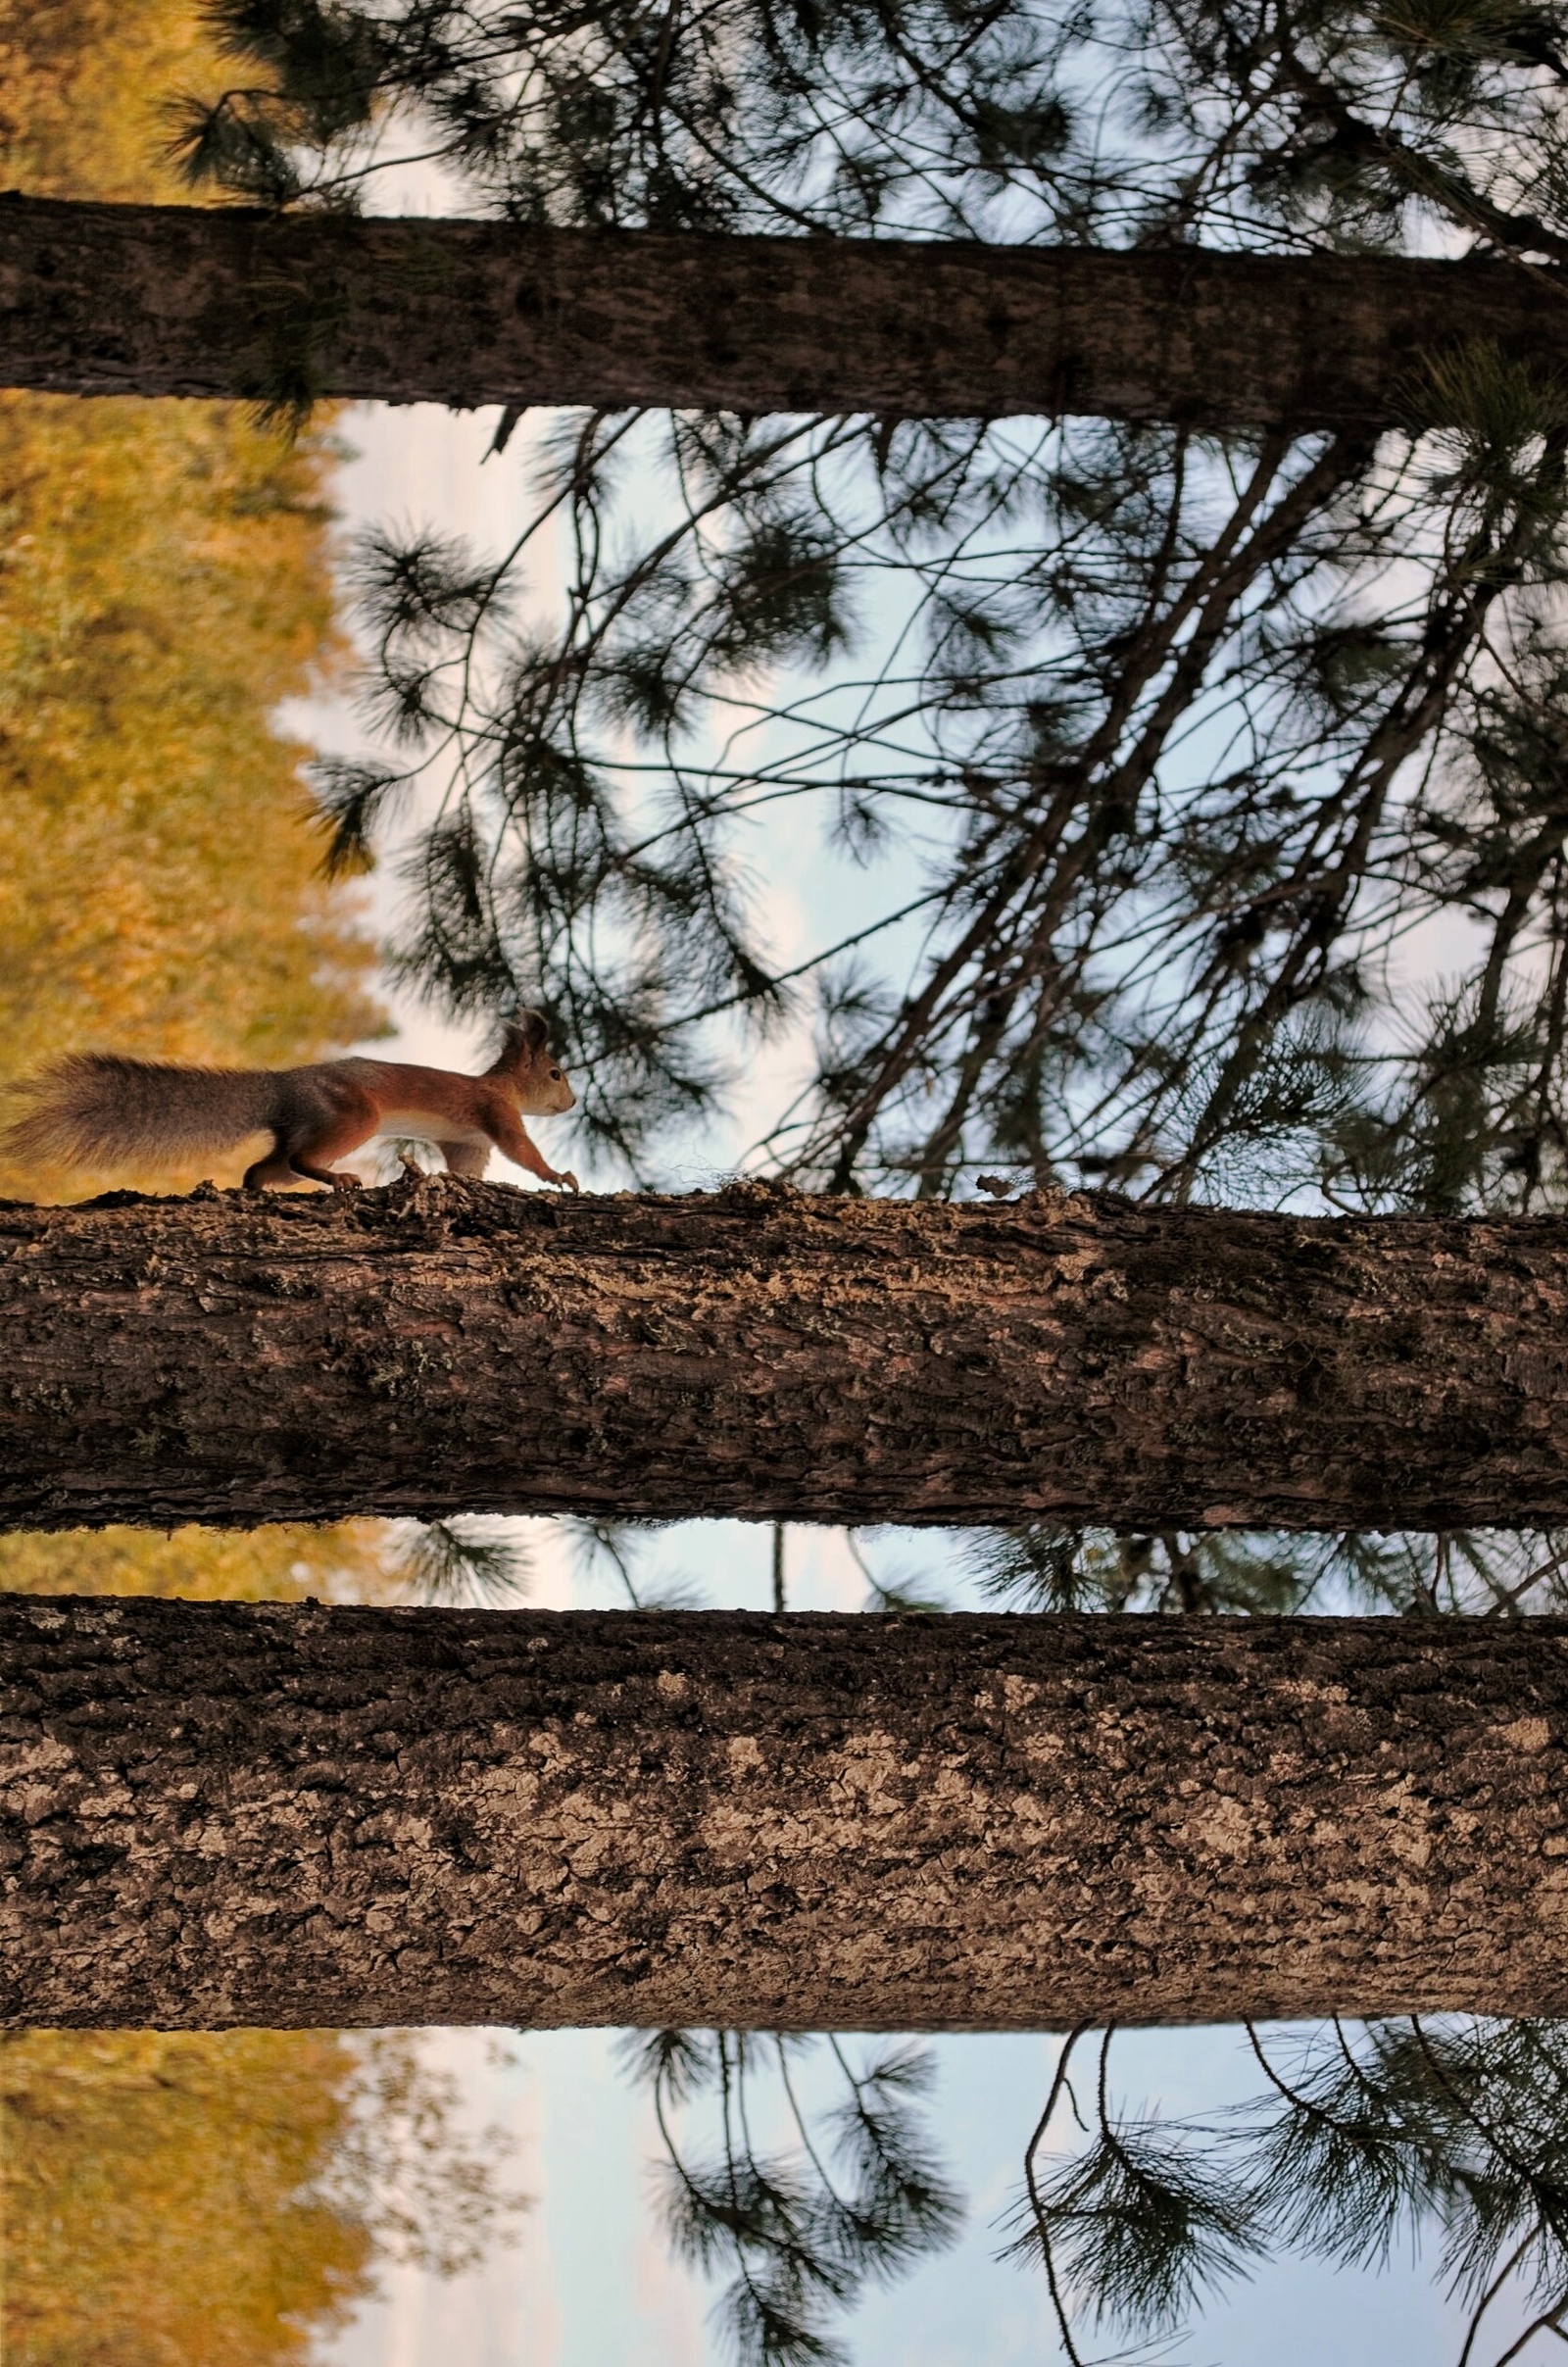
(524, 1038)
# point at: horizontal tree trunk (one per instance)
(198, 300)
(443, 1345)
(213, 1814)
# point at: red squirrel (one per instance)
(97, 1110)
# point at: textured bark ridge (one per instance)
(446, 1346)
(215, 1814)
(207, 301)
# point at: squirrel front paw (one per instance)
(567, 1180)
(342, 1182)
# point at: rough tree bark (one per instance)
(221, 301)
(445, 1346)
(215, 1814)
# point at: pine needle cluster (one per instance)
(1451, 2134)
(1198, 799)
(849, 2194)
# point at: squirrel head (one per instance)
(528, 1064)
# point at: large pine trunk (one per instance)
(223, 302)
(213, 1814)
(443, 1345)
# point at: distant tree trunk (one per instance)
(445, 1346)
(228, 302)
(219, 1813)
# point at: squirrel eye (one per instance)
(556, 1073)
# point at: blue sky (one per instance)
(590, 2281)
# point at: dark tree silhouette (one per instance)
(285, 308)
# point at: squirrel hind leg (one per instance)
(268, 1172)
(310, 1152)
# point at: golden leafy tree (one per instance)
(164, 585)
(221, 2198)
(346, 1562)
(158, 2203)
(86, 88)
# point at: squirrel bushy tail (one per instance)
(94, 1109)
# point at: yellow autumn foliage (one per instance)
(159, 2203)
(85, 87)
(164, 585)
(346, 1562)
(220, 2199)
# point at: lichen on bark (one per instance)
(291, 1815)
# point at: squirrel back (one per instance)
(95, 1109)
